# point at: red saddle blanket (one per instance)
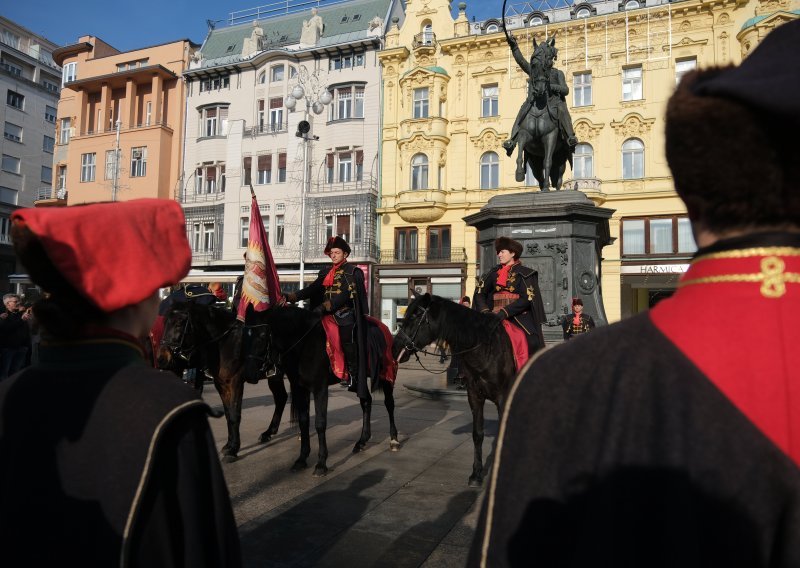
(336, 355)
(519, 343)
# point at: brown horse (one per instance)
(209, 339)
(484, 351)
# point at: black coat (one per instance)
(527, 312)
(107, 462)
(571, 330)
(14, 331)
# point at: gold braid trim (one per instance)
(772, 276)
(750, 252)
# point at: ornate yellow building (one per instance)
(451, 92)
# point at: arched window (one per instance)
(427, 34)
(583, 13)
(492, 28)
(631, 4)
(262, 77)
(490, 171)
(583, 161)
(632, 159)
(419, 172)
(535, 21)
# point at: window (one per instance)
(47, 175)
(214, 121)
(50, 114)
(658, 236)
(359, 106)
(345, 167)
(247, 166)
(358, 60)
(582, 89)
(61, 182)
(222, 179)
(15, 99)
(69, 73)
(48, 144)
(632, 83)
(12, 132)
(110, 164)
(489, 103)
(631, 4)
(262, 77)
(139, 161)
(276, 114)
(582, 162)
(11, 39)
(344, 103)
(282, 167)
(65, 131)
(148, 113)
(427, 34)
(536, 21)
(265, 220)
(10, 164)
(87, 166)
(279, 230)
(215, 83)
(683, 66)
(276, 73)
(208, 237)
(421, 103)
(50, 86)
(405, 244)
(439, 243)
(583, 13)
(292, 72)
(492, 28)
(419, 172)
(359, 165)
(11, 68)
(261, 115)
(264, 169)
(338, 223)
(244, 231)
(206, 180)
(632, 159)
(490, 171)
(329, 159)
(8, 195)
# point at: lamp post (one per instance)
(317, 97)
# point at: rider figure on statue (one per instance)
(340, 291)
(556, 100)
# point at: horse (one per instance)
(483, 347)
(539, 141)
(209, 338)
(294, 340)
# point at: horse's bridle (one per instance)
(411, 346)
(176, 347)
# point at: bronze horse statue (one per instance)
(484, 351)
(209, 339)
(537, 133)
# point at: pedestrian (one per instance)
(511, 291)
(340, 292)
(455, 368)
(672, 438)
(15, 335)
(104, 460)
(577, 322)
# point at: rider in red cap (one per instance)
(112, 461)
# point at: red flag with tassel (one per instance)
(260, 286)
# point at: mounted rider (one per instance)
(556, 98)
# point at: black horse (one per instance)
(483, 348)
(209, 339)
(293, 339)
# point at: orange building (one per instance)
(120, 121)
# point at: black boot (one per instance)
(351, 361)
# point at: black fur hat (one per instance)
(731, 138)
(512, 246)
(337, 242)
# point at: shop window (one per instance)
(657, 237)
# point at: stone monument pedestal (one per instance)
(563, 234)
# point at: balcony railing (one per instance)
(424, 39)
(267, 128)
(423, 256)
(190, 195)
(366, 184)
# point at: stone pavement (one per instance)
(376, 508)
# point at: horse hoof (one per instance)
(299, 466)
(519, 176)
(475, 481)
(265, 437)
(394, 446)
(359, 447)
(229, 458)
(320, 471)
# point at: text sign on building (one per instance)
(655, 269)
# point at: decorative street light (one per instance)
(317, 97)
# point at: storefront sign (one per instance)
(655, 269)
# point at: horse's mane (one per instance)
(463, 327)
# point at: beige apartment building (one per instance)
(120, 121)
(451, 95)
(241, 132)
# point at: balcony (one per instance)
(424, 41)
(367, 185)
(190, 195)
(429, 126)
(592, 187)
(267, 128)
(48, 197)
(423, 256)
(421, 205)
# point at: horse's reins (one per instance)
(284, 352)
(186, 355)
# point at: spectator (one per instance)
(672, 438)
(577, 322)
(111, 461)
(15, 335)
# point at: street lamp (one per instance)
(317, 97)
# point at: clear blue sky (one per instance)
(141, 23)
